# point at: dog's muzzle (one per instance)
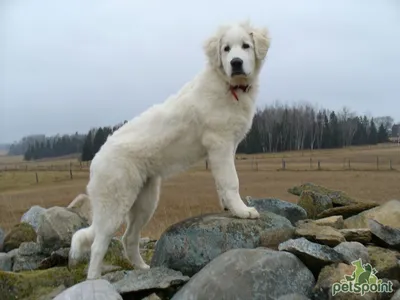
(237, 67)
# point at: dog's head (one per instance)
(238, 51)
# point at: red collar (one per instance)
(244, 88)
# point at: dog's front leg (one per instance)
(222, 164)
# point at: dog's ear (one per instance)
(261, 41)
(212, 51)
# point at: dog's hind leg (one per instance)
(138, 216)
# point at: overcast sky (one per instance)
(71, 65)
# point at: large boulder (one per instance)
(56, 227)
(314, 203)
(338, 198)
(189, 245)
(81, 205)
(32, 216)
(249, 274)
(352, 251)
(90, 290)
(20, 233)
(286, 209)
(387, 214)
(28, 257)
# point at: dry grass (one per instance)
(193, 192)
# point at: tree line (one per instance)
(275, 128)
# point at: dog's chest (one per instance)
(232, 116)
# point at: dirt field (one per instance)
(374, 174)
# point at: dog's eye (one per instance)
(227, 48)
(245, 46)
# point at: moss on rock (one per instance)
(22, 232)
(314, 203)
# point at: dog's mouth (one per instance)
(239, 73)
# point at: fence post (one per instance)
(206, 164)
(390, 165)
(283, 164)
(310, 162)
(319, 165)
(37, 178)
(349, 164)
(377, 162)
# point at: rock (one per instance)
(395, 286)
(90, 290)
(56, 228)
(385, 235)
(81, 206)
(32, 216)
(249, 274)
(338, 198)
(57, 258)
(351, 251)
(313, 255)
(34, 284)
(5, 262)
(286, 209)
(396, 296)
(347, 211)
(387, 214)
(314, 203)
(1, 239)
(146, 282)
(293, 297)
(362, 235)
(20, 233)
(331, 276)
(386, 261)
(272, 239)
(191, 244)
(333, 221)
(321, 234)
(28, 257)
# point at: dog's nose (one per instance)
(236, 63)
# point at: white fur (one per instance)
(203, 120)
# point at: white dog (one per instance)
(207, 119)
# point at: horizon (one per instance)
(68, 65)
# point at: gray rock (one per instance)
(293, 297)
(396, 296)
(146, 281)
(385, 235)
(2, 235)
(352, 251)
(191, 244)
(249, 274)
(28, 257)
(99, 289)
(5, 262)
(56, 227)
(336, 222)
(56, 259)
(32, 216)
(313, 255)
(272, 238)
(290, 211)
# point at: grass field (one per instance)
(372, 174)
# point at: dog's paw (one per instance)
(142, 266)
(249, 213)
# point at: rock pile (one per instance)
(327, 246)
